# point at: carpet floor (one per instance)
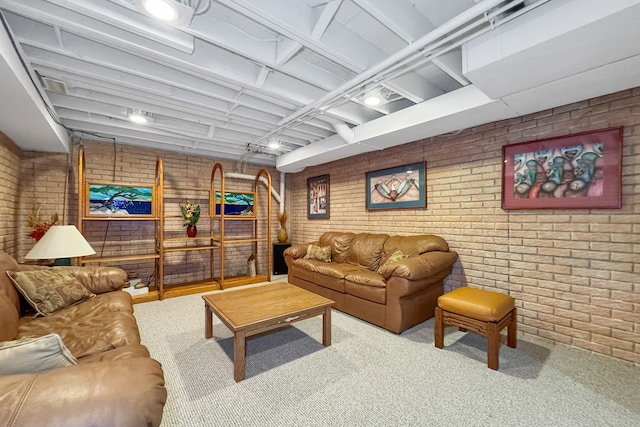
(372, 377)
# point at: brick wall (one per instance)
(43, 180)
(575, 273)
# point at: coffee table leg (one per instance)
(239, 355)
(208, 322)
(326, 327)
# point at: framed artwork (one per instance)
(399, 187)
(110, 200)
(318, 197)
(236, 203)
(580, 171)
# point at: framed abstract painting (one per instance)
(580, 171)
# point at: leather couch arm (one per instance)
(296, 251)
(421, 266)
(128, 392)
(99, 279)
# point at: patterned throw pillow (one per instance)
(49, 291)
(396, 256)
(29, 355)
(320, 253)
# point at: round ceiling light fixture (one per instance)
(138, 116)
(372, 100)
(274, 144)
(164, 10)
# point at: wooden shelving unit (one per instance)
(85, 221)
(212, 235)
(261, 225)
(215, 233)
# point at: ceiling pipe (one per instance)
(282, 178)
(262, 179)
(462, 19)
(341, 128)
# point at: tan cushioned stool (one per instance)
(480, 311)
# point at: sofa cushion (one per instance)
(87, 328)
(339, 243)
(318, 253)
(48, 291)
(331, 275)
(28, 355)
(368, 285)
(120, 353)
(366, 249)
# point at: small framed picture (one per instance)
(395, 188)
(318, 197)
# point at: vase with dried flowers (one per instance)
(191, 215)
(282, 233)
(39, 226)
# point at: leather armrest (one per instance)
(296, 251)
(128, 392)
(421, 266)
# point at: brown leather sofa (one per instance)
(365, 280)
(115, 381)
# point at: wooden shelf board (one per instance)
(177, 290)
(191, 239)
(246, 240)
(195, 248)
(121, 258)
(120, 218)
(232, 282)
(150, 296)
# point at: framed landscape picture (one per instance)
(580, 171)
(318, 197)
(236, 203)
(395, 188)
(111, 200)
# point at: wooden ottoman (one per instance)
(480, 311)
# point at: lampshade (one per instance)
(61, 241)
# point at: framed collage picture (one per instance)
(580, 171)
(318, 197)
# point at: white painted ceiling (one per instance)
(245, 72)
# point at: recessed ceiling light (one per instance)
(138, 116)
(274, 144)
(372, 100)
(165, 10)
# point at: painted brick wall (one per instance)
(574, 273)
(10, 159)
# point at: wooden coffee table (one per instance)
(258, 309)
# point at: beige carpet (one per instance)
(371, 377)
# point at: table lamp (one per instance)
(61, 242)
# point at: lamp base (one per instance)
(66, 262)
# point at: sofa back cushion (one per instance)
(413, 245)
(339, 242)
(366, 249)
